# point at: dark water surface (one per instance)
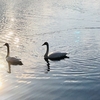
(69, 26)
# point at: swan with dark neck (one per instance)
(46, 54)
(6, 44)
(11, 60)
(55, 55)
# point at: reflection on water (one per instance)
(48, 65)
(71, 26)
(9, 68)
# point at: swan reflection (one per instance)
(9, 68)
(48, 65)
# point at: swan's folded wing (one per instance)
(13, 60)
(57, 55)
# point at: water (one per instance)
(69, 26)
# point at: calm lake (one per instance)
(71, 26)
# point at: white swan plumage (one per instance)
(54, 55)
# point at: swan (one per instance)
(55, 55)
(11, 60)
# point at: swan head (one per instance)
(6, 44)
(45, 43)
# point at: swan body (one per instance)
(12, 60)
(54, 55)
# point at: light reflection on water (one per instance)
(68, 27)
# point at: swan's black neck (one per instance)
(46, 54)
(7, 50)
